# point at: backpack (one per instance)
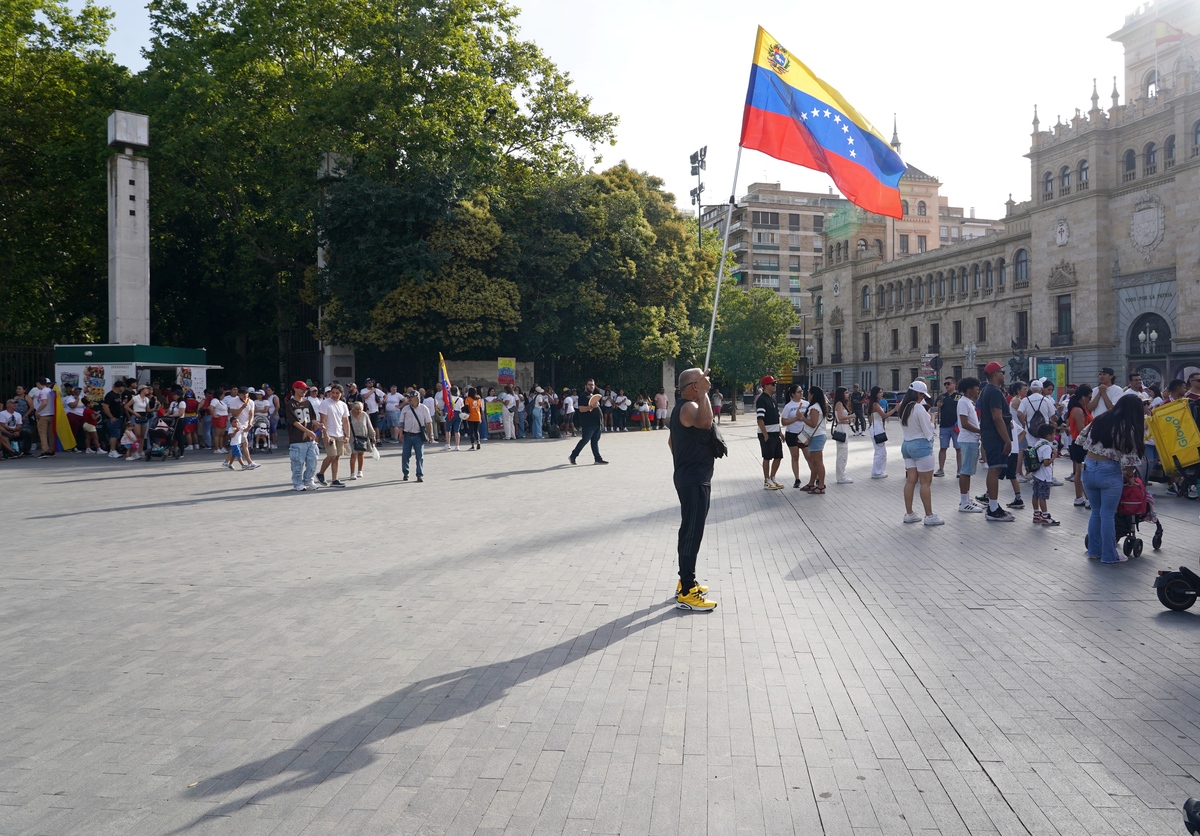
(1032, 463)
(1037, 419)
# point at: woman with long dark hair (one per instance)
(1115, 444)
(1079, 415)
(791, 417)
(878, 419)
(473, 406)
(917, 450)
(843, 416)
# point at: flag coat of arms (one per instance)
(794, 116)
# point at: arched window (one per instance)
(862, 246)
(1064, 180)
(941, 284)
(1082, 177)
(831, 253)
(904, 207)
(1021, 267)
(1130, 164)
(1150, 334)
(1150, 85)
(987, 275)
(975, 277)
(1169, 152)
(1001, 272)
(909, 298)
(866, 298)
(1150, 159)
(879, 247)
(1048, 185)
(920, 291)
(820, 307)
(880, 299)
(891, 294)
(839, 250)
(962, 281)
(921, 208)
(929, 286)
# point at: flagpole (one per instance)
(712, 327)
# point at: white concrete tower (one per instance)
(128, 229)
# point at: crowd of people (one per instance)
(1016, 433)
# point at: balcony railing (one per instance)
(1057, 339)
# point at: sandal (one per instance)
(819, 490)
(807, 488)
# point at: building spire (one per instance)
(1036, 122)
(1095, 96)
(1115, 95)
(895, 135)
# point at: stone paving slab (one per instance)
(189, 650)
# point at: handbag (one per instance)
(880, 438)
(839, 436)
(360, 444)
(716, 443)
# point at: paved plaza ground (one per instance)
(185, 650)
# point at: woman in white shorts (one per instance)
(917, 450)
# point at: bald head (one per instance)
(693, 385)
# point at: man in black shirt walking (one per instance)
(770, 439)
(947, 407)
(588, 420)
(691, 426)
(859, 425)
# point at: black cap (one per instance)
(45, 381)
(1108, 370)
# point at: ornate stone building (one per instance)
(1100, 268)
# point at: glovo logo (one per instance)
(1180, 436)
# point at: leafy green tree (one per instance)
(57, 85)
(751, 334)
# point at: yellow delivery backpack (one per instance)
(1173, 427)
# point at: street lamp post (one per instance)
(699, 164)
(970, 350)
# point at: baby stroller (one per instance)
(260, 434)
(1136, 506)
(160, 438)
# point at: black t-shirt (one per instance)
(690, 451)
(856, 400)
(768, 412)
(948, 410)
(299, 411)
(116, 405)
(590, 418)
(991, 398)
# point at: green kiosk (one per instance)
(95, 367)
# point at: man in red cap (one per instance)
(769, 439)
(303, 422)
(995, 436)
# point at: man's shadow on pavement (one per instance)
(435, 699)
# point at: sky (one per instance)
(961, 78)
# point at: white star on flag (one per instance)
(804, 116)
(850, 139)
(845, 129)
(816, 112)
(852, 154)
(826, 114)
(837, 119)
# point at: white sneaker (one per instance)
(767, 486)
(1056, 483)
(934, 519)
(845, 481)
(1024, 478)
(1081, 502)
(227, 465)
(298, 488)
(970, 508)
(252, 466)
(311, 486)
(775, 485)
(1071, 478)
(878, 475)
(456, 448)
(912, 518)
(113, 454)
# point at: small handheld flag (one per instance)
(796, 117)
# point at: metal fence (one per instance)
(22, 365)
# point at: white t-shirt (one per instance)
(219, 408)
(12, 420)
(568, 405)
(920, 425)
(176, 409)
(370, 400)
(392, 402)
(819, 431)
(332, 413)
(429, 405)
(622, 402)
(1045, 454)
(1114, 394)
(508, 400)
(966, 407)
(137, 403)
(414, 419)
(43, 401)
(1036, 403)
(73, 404)
(791, 410)
(541, 402)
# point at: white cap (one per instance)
(919, 386)
(1035, 385)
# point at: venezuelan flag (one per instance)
(445, 381)
(796, 117)
(64, 438)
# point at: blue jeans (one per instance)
(519, 423)
(303, 458)
(1103, 482)
(592, 434)
(413, 442)
(206, 429)
(537, 422)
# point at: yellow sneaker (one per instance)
(679, 587)
(694, 601)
